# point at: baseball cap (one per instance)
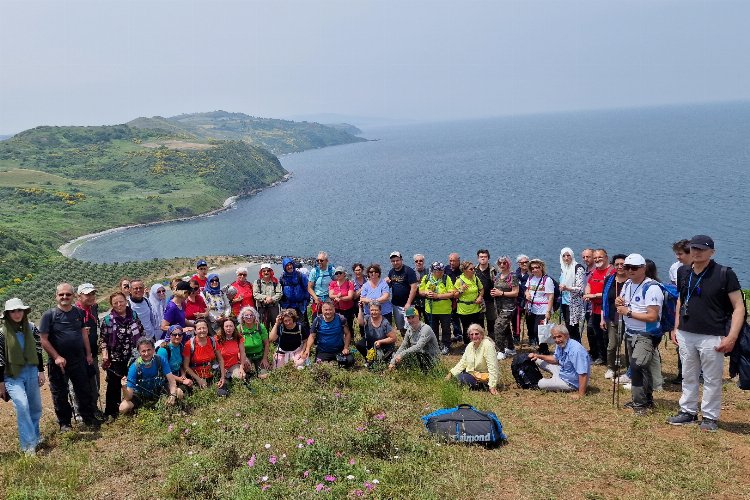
(201, 263)
(339, 269)
(86, 288)
(437, 266)
(395, 253)
(410, 311)
(635, 259)
(266, 266)
(701, 241)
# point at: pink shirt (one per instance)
(343, 289)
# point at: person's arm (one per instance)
(51, 352)
(222, 370)
(420, 344)
(550, 305)
(401, 350)
(273, 335)
(673, 334)
(39, 355)
(583, 382)
(651, 314)
(548, 358)
(264, 361)
(361, 315)
(311, 289)
(390, 338)
(347, 337)
(480, 295)
(104, 333)
(186, 366)
(738, 318)
(386, 295)
(87, 345)
(350, 293)
(460, 366)
(412, 293)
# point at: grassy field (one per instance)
(334, 433)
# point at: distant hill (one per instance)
(278, 136)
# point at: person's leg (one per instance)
(501, 329)
(531, 329)
(554, 383)
(691, 370)
(601, 339)
(456, 323)
(58, 386)
(643, 351)
(398, 317)
(113, 396)
(445, 328)
(467, 379)
(712, 363)
(466, 320)
(591, 336)
(612, 344)
(18, 390)
(657, 379)
(490, 314)
(543, 346)
(361, 346)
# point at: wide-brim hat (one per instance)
(13, 304)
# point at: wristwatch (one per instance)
(630, 313)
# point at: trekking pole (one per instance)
(615, 388)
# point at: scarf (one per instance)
(17, 357)
(213, 290)
(568, 274)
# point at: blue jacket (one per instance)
(294, 288)
(606, 313)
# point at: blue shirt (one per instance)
(321, 279)
(573, 360)
(174, 359)
(374, 293)
(330, 335)
(150, 385)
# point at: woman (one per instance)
(341, 292)
(505, 292)
(172, 352)
(378, 336)
(125, 287)
(572, 287)
(244, 289)
(119, 330)
(358, 280)
(267, 292)
(540, 292)
(232, 348)
(469, 292)
(174, 313)
(255, 336)
(157, 297)
(437, 290)
(195, 304)
(291, 336)
(478, 365)
(198, 357)
(22, 371)
(217, 302)
(376, 290)
(610, 319)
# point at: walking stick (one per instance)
(615, 389)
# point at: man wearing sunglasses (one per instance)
(66, 341)
(319, 279)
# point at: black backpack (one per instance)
(525, 372)
(465, 424)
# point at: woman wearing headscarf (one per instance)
(217, 301)
(572, 287)
(157, 297)
(22, 371)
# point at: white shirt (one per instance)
(673, 271)
(639, 302)
(542, 286)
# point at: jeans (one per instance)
(27, 401)
(697, 353)
(399, 318)
(441, 325)
(76, 371)
(644, 348)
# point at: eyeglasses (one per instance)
(322, 260)
(524, 262)
(503, 263)
(629, 267)
(242, 274)
(176, 334)
(337, 273)
(64, 294)
(161, 291)
(417, 261)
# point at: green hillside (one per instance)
(278, 136)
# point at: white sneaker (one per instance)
(628, 386)
(500, 356)
(623, 379)
(609, 374)
(509, 353)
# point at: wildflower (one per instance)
(169, 429)
(305, 474)
(368, 486)
(352, 461)
(265, 487)
(236, 414)
(361, 428)
(272, 459)
(358, 492)
(330, 478)
(283, 455)
(267, 446)
(350, 477)
(264, 479)
(339, 454)
(337, 394)
(375, 481)
(251, 462)
(380, 416)
(395, 457)
(218, 420)
(300, 445)
(309, 442)
(319, 487)
(190, 452)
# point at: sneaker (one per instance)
(683, 418)
(628, 386)
(659, 389)
(609, 374)
(709, 425)
(444, 351)
(623, 379)
(509, 353)
(631, 404)
(500, 356)
(676, 381)
(64, 429)
(599, 361)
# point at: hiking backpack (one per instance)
(669, 306)
(465, 424)
(525, 372)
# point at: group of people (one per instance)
(208, 335)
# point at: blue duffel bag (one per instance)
(465, 424)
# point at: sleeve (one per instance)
(411, 277)
(162, 354)
(132, 376)
(578, 285)
(461, 365)
(733, 284)
(549, 285)
(581, 362)
(169, 313)
(263, 332)
(420, 344)
(654, 296)
(46, 322)
(2, 355)
(38, 342)
(165, 368)
(402, 349)
(103, 334)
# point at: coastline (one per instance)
(69, 248)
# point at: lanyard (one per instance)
(632, 294)
(690, 284)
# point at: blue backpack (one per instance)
(465, 424)
(668, 308)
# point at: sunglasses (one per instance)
(629, 267)
(161, 291)
(242, 274)
(535, 267)
(336, 274)
(417, 261)
(214, 281)
(524, 262)
(469, 268)
(322, 260)
(175, 334)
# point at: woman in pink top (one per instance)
(341, 291)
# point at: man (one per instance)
(453, 271)
(149, 377)
(486, 275)
(522, 275)
(142, 307)
(681, 250)
(437, 290)
(66, 341)
(419, 345)
(593, 294)
(570, 365)
(332, 334)
(202, 275)
(318, 280)
(639, 304)
(587, 256)
(403, 282)
(709, 294)
(421, 271)
(87, 304)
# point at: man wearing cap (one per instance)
(639, 304)
(202, 275)
(142, 307)
(403, 282)
(437, 290)
(267, 293)
(419, 345)
(87, 304)
(66, 341)
(709, 318)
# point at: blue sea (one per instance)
(631, 180)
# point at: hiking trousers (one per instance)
(77, 372)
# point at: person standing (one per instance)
(504, 293)
(486, 275)
(139, 303)
(403, 282)
(540, 291)
(681, 251)
(437, 289)
(294, 290)
(66, 341)
(319, 280)
(571, 287)
(244, 289)
(522, 276)
(594, 292)
(202, 275)
(709, 318)
(421, 271)
(267, 293)
(453, 271)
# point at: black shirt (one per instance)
(708, 308)
(64, 331)
(486, 278)
(401, 282)
(290, 340)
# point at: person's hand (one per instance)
(391, 367)
(279, 319)
(533, 356)
(622, 310)
(495, 292)
(587, 297)
(264, 363)
(345, 351)
(431, 294)
(396, 360)
(376, 344)
(60, 362)
(90, 359)
(479, 300)
(547, 316)
(528, 295)
(563, 287)
(304, 355)
(316, 299)
(619, 301)
(493, 391)
(41, 379)
(575, 395)
(673, 337)
(124, 381)
(106, 363)
(171, 400)
(388, 280)
(603, 325)
(726, 345)
(241, 373)
(220, 383)
(202, 383)
(448, 376)
(188, 382)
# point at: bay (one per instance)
(626, 180)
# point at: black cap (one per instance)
(183, 285)
(701, 241)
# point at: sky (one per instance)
(66, 62)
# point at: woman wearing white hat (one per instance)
(22, 371)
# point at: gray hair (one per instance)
(561, 328)
(143, 341)
(417, 255)
(324, 254)
(521, 257)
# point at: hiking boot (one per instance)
(509, 353)
(623, 379)
(676, 381)
(64, 429)
(500, 356)
(683, 418)
(709, 425)
(444, 351)
(631, 404)
(92, 425)
(609, 373)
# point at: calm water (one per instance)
(628, 181)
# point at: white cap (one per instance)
(86, 288)
(635, 259)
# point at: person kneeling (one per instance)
(419, 345)
(149, 376)
(478, 366)
(333, 337)
(379, 336)
(570, 365)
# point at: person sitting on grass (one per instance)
(570, 365)
(255, 337)
(420, 346)
(171, 351)
(378, 335)
(291, 337)
(332, 334)
(198, 356)
(232, 347)
(477, 368)
(149, 376)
